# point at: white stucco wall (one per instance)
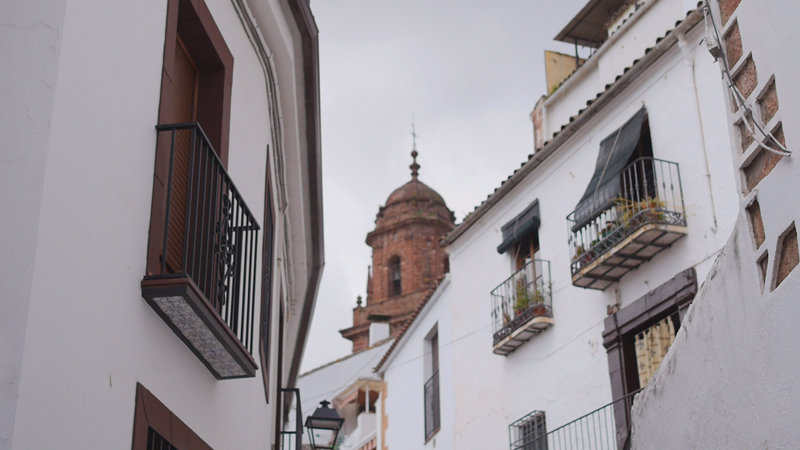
(406, 375)
(728, 381)
(29, 54)
(89, 336)
(564, 371)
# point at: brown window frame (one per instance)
(151, 413)
(191, 22)
(621, 327)
(266, 281)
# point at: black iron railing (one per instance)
(606, 428)
(520, 298)
(650, 193)
(432, 416)
(291, 432)
(209, 233)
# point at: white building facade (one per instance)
(162, 221)
(567, 285)
(416, 405)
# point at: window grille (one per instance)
(156, 442)
(529, 433)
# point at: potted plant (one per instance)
(539, 308)
(523, 299)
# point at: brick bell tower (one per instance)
(406, 257)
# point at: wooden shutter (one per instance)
(184, 110)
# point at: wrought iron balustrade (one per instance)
(432, 413)
(518, 302)
(290, 435)
(606, 428)
(650, 198)
(209, 241)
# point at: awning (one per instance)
(615, 151)
(588, 27)
(520, 227)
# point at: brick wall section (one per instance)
(746, 79)
(769, 103)
(754, 212)
(733, 44)
(762, 165)
(410, 226)
(726, 8)
(789, 257)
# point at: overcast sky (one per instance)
(468, 71)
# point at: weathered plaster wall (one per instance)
(728, 381)
(564, 371)
(30, 43)
(90, 336)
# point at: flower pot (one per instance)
(539, 310)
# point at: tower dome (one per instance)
(413, 200)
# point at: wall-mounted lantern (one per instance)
(324, 426)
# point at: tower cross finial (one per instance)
(414, 166)
(413, 133)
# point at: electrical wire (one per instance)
(741, 101)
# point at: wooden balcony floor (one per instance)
(641, 246)
(522, 334)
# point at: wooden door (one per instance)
(184, 110)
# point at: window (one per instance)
(202, 247)
(527, 250)
(156, 442)
(521, 233)
(432, 416)
(195, 87)
(155, 427)
(529, 433)
(395, 277)
(632, 208)
(637, 338)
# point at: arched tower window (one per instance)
(395, 280)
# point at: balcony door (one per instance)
(185, 110)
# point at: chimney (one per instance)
(378, 331)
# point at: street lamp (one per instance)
(324, 425)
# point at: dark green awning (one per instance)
(520, 227)
(604, 187)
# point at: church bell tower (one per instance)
(407, 259)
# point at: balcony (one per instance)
(522, 307)
(645, 218)
(205, 287)
(605, 428)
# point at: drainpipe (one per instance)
(687, 55)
